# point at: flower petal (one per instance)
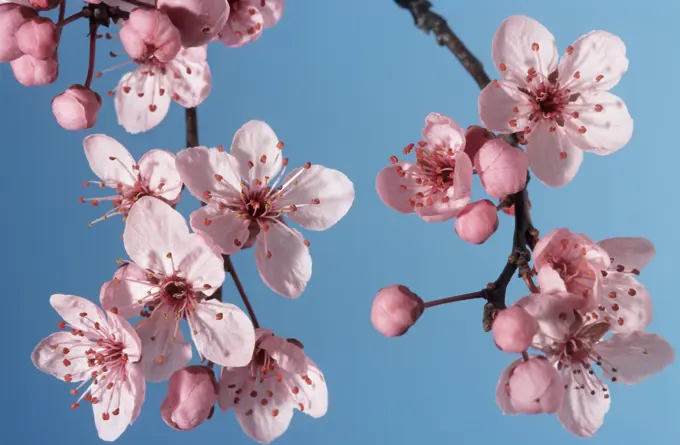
(200, 265)
(286, 354)
(595, 54)
(226, 229)
(283, 260)
(130, 284)
(552, 156)
(49, 356)
(450, 203)
(80, 313)
(209, 170)
(634, 356)
(265, 421)
(271, 10)
(195, 81)
(549, 280)
(154, 229)
(603, 125)
(255, 143)
(554, 313)
(503, 108)
(626, 301)
(134, 111)
(313, 396)
(443, 132)
(396, 190)
(502, 396)
(631, 253)
(119, 406)
(99, 149)
(521, 43)
(242, 27)
(126, 334)
(231, 379)
(322, 196)
(163, 345)
(159, 174)
(223, 333)
(581, 413)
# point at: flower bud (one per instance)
(76, 108)
(31, 72)
(535, 387)
(502, 168)
(513, 329)
(149, 32)
(477, 221)
(192, 394)
(44, 5)
(395, 310)
(12, 16)
(38, 38)
(198, 21)
(475, 137)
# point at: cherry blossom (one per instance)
(76, 108)
(192, 395)
(248, 19)
(248, 194)
(155, 175)
(437, 185)
(561, 109)
(101, 352)
(575, 346)
(395, 309)
(171, 277)
(279, 379)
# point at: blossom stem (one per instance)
(530, 284)
(70, 19)
(229, 267)
(525, 235)
(525, 356)
(93, 47)
(62, 11)
(455, 298)
(191, 118)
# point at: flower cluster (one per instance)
(588, 309)
(173, 276)
(165, 40)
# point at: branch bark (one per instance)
(525, 235)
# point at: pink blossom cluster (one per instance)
(173, 274)
(165, 40)
(588, 310)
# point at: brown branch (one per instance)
(525, 235)
(229, 267)
(191, 119)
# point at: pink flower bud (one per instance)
(192, 394)
(535, 387)
(38, 38)
(475, 137)
(501, 167)
(395, 310)
(513, 329)
(31, 72)
(477, 221)
(149, 32)
(76, 108)
(198, 21)
(44, 5)
(12, 16)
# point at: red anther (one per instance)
(263, 159)
(81, 199)
(219, 177)
(279, 145)
(106, 416)
(74, 405)
(62, 324)
(316, 201)
(308, 165)
(94, 202)
(152, 108)
(306, 243)
(269, 254)
(219, 316)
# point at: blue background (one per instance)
(346, 84)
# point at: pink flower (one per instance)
(395, 309)
(155, 175)
(477, 221)
(502, 168)
(570, 262)
(247, 196)
(143, 96)
(32, 72)
(173, 275)
(12, 17)
(38, 37)
(247, 20)
(475, 137)
(437, 185)
(622, 299)
(279, 379)
(514, 329)
(561, 110)
(149, 33)
(530, 387)
(191, 399)
(198, 21)
(575, 346)
(76, 108)
(100, 347)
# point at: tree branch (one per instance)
(525, 235)
(191, 119)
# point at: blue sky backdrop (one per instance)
(346, 84)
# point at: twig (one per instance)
(191, 118)
(455, 298)
(525, 235)
(93, 47)
(229, 267)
